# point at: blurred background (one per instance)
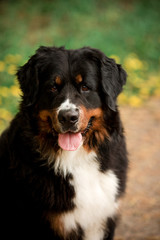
(129, 32)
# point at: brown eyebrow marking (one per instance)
(58, 80)
(79, 78)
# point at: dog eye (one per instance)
(54, 88)
(84, 88)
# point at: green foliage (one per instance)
(127, 30)
(116, 27)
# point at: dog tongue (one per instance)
(69, 141)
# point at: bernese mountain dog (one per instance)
(63, 157)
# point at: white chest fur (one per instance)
(95, 193)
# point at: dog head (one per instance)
(70, 90)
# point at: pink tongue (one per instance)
(69, 141)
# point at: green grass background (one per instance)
(128, 30)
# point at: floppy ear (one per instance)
(113, 79)
(28, 79)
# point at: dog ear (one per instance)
(113, 76)
(113, 79)
(28, 79)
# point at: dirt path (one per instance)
(141, 204)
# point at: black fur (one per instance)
(29, 187)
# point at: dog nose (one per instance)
(68, 117)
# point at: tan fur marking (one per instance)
(56, 223)
(86, 114)
(44, 125)
(58, 80)
(98, 126)
(46, 139)
(44, 114)
(44, 117)
(79, 78)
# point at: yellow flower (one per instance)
(4, 91)
(135, 101)
(122, 99)
(145, 92)
(12, 58)
(12, 69)
(18, 58)
(4, 114)
(15, 91)
(136, 81)
(9, 58)
(116, 58)
(15, 81)
(133, 63)
(2, 125)
(2, 66)
(154, 80)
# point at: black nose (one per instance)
(68, 117)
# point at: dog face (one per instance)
(70, 90)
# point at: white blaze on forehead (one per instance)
(67, 105)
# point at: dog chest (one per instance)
(95, 193)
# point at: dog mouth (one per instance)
(71, 141)
(70, 137)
